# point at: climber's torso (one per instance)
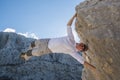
(61, 45)
(57, 45)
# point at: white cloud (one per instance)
(33, 35)
(29, 35)
(26, 34)
(9, 30)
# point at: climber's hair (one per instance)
(83, 45)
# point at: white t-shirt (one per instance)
(65, 45)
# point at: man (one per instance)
(64, 45)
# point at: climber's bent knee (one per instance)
(42, 48)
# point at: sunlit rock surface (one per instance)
(98, 25)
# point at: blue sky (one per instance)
(45, 18)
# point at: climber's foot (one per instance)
(24, 56)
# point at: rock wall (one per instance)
(46, 67)
(98, 25)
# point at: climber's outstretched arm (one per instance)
(69, 29)
(88, 65)
(71, 20)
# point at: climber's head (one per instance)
(81, 47)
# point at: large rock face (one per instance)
(46, 67)
(98, 25)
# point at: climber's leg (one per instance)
(42, 48)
